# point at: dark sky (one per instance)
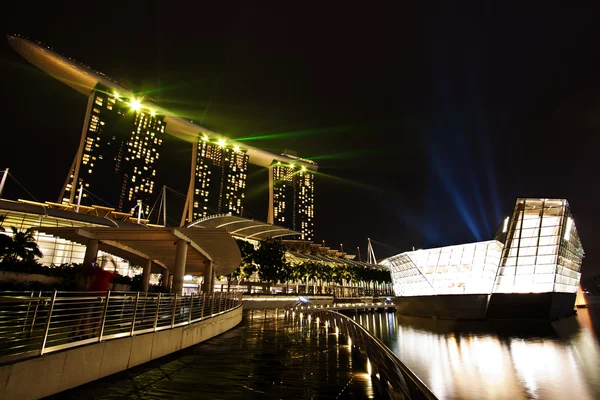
(427, 121)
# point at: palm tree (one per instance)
(21, 246)
(5, 240)
(296, 274)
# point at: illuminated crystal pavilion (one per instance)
(537, 251)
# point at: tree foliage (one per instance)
(21, 246)
(270, 258)
(270, 263)
(247, 266)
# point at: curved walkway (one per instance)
(266, 356)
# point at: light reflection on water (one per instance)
(497, 359)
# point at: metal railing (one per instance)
(395, 378)
(36, 323)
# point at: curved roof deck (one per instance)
(158, 245)
(125, 239)
(301, 257)
(84, 79)
(243, 228)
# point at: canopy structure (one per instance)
(298, 257)
(243, 228)
(138, 244)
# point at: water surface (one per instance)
(497, 359)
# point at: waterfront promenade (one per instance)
(266, 356)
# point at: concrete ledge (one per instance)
(115, 357)
(53, 373)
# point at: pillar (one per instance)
(271, 212)
(208, 278)
(179, 267)
(165, 278)
(146, 276)
(91, 252)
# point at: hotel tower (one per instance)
(118, 153)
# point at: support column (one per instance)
(179, 268)
(146, 276)
(75, 167)
(271, 211)
(208, 278)
(188, 208)
(91, 252)
(165, 278)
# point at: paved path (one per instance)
(266, 357)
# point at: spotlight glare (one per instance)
(222, 142)
(135, 104)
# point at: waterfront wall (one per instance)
(544, 306)
(533, 306)
(55, 372)
(463, 306)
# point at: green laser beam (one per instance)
(305, 132)
(346, 154)
(320, 131)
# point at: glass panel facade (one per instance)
(407, 278)
(55, 250)
(468, 268)
(542, 252)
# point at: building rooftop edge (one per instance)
(83, 79)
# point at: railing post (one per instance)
(27, 314)
(191, 308)
(220, 301)
(174, 310)
(212, 303)
(47, 328)
(37, 304)
(104, 316)
(157, 310)
(137, 300)
(203, 304)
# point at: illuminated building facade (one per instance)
(221, 172)
(541, 253)
(118, 152)
(465, 268)
(291, 195)
(531, 269)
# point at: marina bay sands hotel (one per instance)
(120, 144)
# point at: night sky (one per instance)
(427, 121)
